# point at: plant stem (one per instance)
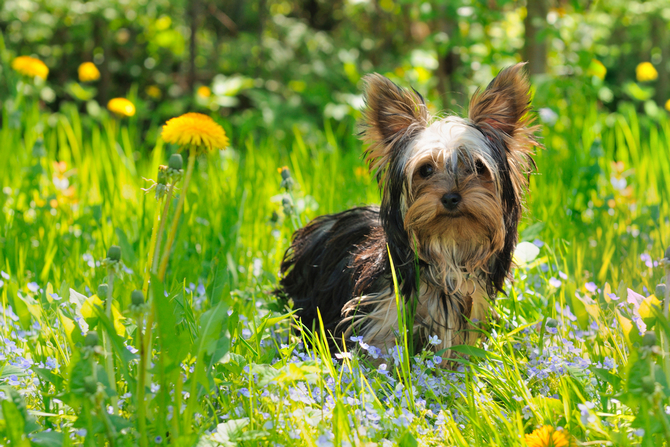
(145, 339)
(193, 397)
(176, 413)
(175, 221)
(153, 263)
(161, 230)
(141, 375)
(152, 248)
(109, 359)
(666, 312)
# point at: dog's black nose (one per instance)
(451, 200)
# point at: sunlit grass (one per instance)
(72, 184)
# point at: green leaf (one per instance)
(174, 342)
(229, 432)
(15, 421)
(118, 347)
(474, 351)
(340, 422)
(407, 440)
(47, 439)
(212, 324)
(50, 377)
(220, 287)
(635, 91)
(129, 256)
(7, 370)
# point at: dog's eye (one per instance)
(426, 170)
(479, 166)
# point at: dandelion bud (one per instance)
(162, 175)
(551, 322)
(660, 291)
(102, 290)
(286, 179)
(176, 162)
(285, 173)
(137, 298)
(649, 339)
(90, 385)
(114, 253)
(91, 340)
(648, 384)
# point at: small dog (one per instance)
(452, 196)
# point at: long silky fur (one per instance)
(339, 264)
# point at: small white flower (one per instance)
(433, 340)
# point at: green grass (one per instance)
(259, 383)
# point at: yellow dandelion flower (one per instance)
(121, 106)
(195, 129)
(153, 91)
(667, 105)
(547, 436)
(645, 72)
(88, 72)
(29, 66)
(204, 91)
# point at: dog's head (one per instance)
(452, 188)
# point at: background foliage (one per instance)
(572, 349)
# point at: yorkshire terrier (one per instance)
(452, 197)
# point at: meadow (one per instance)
(578, 357)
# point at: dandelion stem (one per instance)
(145, 340)
(161, 230)
(175, 221)
(152, 249)
(109, 360)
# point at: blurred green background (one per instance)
(269, 65)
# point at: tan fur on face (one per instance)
(461, 245)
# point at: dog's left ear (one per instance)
(392, 117)
(503, 110)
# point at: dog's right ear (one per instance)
(392, 117)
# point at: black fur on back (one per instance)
(331, 260)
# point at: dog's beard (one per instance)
(456, 244)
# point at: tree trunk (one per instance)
(193, 48)
(535, 45)
(450, 89)
(101, 38)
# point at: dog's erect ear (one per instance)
(502, 112)
(505, 107)
(391, 118)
